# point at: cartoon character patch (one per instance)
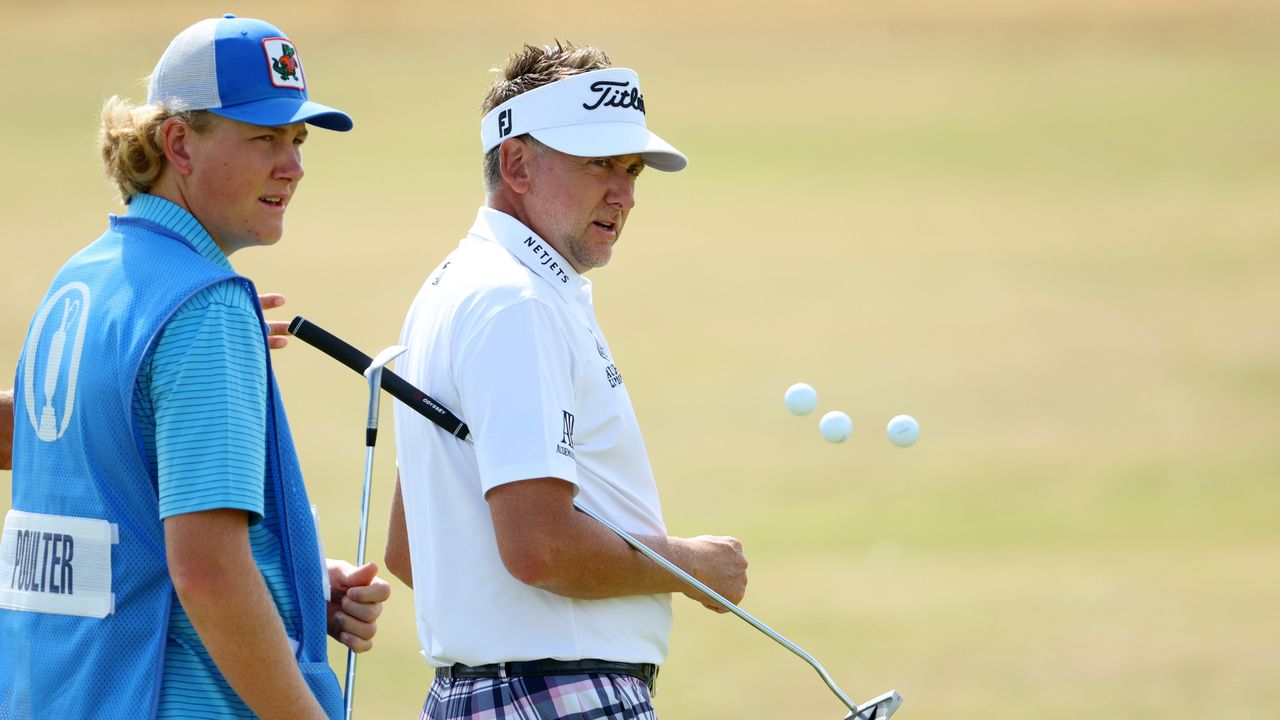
(285, 66)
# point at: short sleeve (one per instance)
(516, 385)
(209, 395)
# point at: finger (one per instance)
(359, 610)
(355, 634)
(358, 644)
(359, 576)
(378, 591)
(277, 330)
(270, 300)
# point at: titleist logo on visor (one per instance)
(610, 93)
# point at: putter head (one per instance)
(880, 706)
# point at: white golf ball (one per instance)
(835, 426)
(801, 399)
(903, 430)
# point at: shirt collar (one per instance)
(178, 220)
(534, 252)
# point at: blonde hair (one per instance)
(529, 68)
(132, 145)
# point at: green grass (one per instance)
(1046, 230)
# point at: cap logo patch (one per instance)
(286, 68)
(611, 93)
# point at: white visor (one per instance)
(593, 114)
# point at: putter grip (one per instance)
(340, 350)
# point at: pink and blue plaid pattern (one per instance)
(555, 697)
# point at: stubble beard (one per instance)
(587, 255)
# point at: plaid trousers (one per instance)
(553, 697)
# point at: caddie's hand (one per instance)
(355, 601)
(722, 566)
(277, 330)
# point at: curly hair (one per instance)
(129, 138)
(529, 68)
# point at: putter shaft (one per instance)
(373, 374)
(879, 707)
(724, 603)
(349, 687)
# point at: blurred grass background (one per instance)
(1048, 230)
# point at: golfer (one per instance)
(162, 558)
(526, 608)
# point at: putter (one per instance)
(878, 708)
(882, 706)
(373, 374)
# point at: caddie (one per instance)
(161, 558)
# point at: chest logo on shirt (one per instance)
(56, 355)
(566, 438)
(600, 348)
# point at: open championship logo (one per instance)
(69, 307)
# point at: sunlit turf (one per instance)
(1048, 232)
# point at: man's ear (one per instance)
(175, 141)
(514, 156)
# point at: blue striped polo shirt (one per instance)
(200, 406)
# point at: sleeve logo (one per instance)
(566, 438)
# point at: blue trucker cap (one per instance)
(240, 68)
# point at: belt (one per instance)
(646, 672)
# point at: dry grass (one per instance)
(1046, 229)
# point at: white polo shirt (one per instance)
(503, 332)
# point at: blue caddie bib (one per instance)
(84, 585)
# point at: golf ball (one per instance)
(801, 399)
(835, 426)
(903, 430)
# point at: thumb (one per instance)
(362, 575)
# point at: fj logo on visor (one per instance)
(504, 123)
